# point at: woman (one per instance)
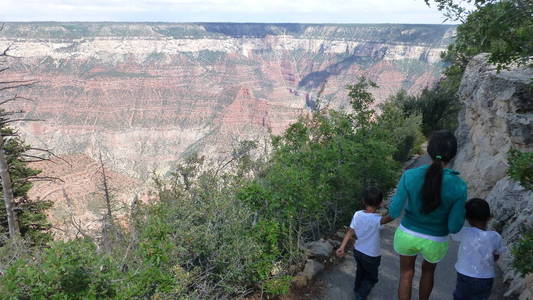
(433, 199)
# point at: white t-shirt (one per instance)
(476, 251)
(366, 227)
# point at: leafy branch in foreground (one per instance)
(502, 28)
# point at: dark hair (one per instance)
(442, 147)
(477, 209)
(372, 196)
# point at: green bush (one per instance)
(212, 234)
(78, 270)
(437, 107)
(523, 254)
(278, 285)
(521, 167)
(320, 166)
(66, 270)
(404, 129)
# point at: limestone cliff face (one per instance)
(145, 94)
(497, 115)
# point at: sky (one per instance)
(268, 11)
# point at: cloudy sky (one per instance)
(297, 11)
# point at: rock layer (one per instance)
(147, 94)
(497, 114)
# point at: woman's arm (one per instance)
(399, 199)
(385, 219)
(456, 218)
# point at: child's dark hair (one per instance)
(442, 147)
(477, 210)
(372, 196)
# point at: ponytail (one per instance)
(442, 148)
(432, 187)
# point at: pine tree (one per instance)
(30, 214)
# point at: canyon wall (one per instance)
(497, 114)
(147, 94)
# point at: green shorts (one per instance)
(410, 245)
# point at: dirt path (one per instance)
(337, 283)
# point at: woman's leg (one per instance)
(407, 271)
(426, 280)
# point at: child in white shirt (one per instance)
(478, 250)
(365, 227)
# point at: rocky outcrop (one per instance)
(497, 115)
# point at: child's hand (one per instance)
(340, 252)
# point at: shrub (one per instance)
(402, 129)
(278, 285)
(521, 167)
(66, 270)
(438, 107)
(319, 167)
(523, 254)
(212, 235)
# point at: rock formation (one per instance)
(497, 114)
(147, 94)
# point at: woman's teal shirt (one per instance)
(448, 218)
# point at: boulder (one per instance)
(320, 248)
(311, 269)
(527, 294)
(299, 281)
(334, 243)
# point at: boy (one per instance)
(479, 248)
(365, 227)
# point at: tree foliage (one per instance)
(501, 28)
(31, 214)
(321, 164)
(437, 107)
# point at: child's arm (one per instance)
(347, 237)
(500, 248)
(385, 219)
(459, 236)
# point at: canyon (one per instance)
(146, 95)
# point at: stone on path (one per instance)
(321, 248)
(311, 269)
